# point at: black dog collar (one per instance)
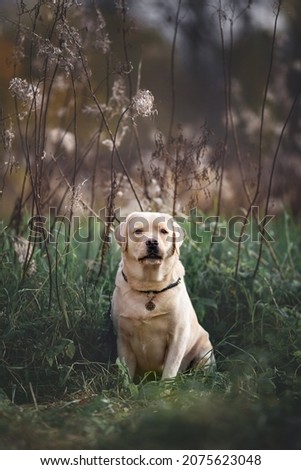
(170, 286)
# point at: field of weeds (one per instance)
(61, 387)
(109, 107)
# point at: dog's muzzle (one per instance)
(152, 249)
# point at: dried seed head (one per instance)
(27, 93)
(74, 197)
(23, 250)
(7, 138)
(22, 90)
(102, 38)
(143, 103)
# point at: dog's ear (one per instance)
(178, 236)
(121, 235)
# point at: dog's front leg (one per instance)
(127, 356)
(174, 357)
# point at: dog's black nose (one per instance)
(152, 243)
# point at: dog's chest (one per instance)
(145, 312)
(142, 314)
(148, 336)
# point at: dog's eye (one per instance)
(164, 231)
(138, 231)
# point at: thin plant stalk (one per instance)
(172, 72)
(262, 116)
(291, 111)
(225, 139)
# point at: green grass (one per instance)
(60, 385)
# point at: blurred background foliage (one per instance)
(215, 77)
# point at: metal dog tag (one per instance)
(150, 305)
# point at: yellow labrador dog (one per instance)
(157, 327)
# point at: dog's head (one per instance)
(149, 237)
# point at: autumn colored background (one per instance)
(190, 107)
(214, 70)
